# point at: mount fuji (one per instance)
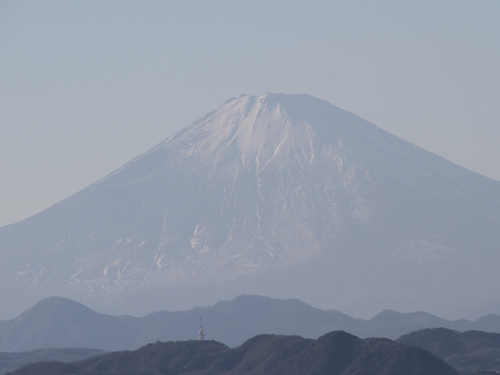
(279, 195)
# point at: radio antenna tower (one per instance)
(202, 335)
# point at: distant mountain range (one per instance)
(336, 353)
(279, 195)
(59, 323)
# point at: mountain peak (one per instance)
(281, 195)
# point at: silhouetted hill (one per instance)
(468, 352)
(58, 322)
(336, 353)
(488, 323)
(233, 322)
(12, 361)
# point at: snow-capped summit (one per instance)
(283, 195)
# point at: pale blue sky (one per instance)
(86, 86)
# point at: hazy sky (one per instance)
(85, 86)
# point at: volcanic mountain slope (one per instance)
(336, 353)
(282, 195)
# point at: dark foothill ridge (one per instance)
(335, 353)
